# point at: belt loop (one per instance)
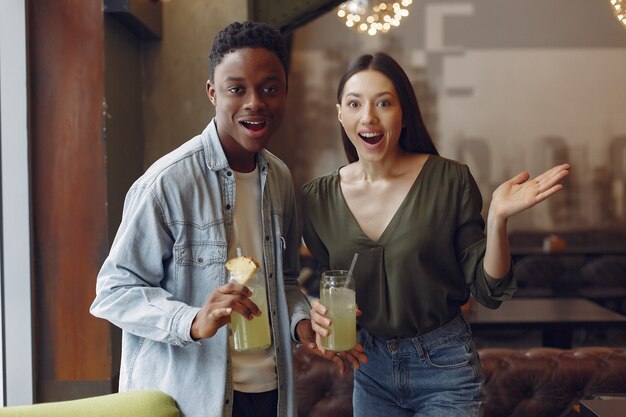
(465, 323)
(418, 346)
(368, 339)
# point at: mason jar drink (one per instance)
(252, 334)
(337, 295)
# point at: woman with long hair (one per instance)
(415, 220)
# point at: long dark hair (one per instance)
(414, 136)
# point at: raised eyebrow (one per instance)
(381, 94)
(384, 93)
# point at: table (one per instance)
(603, 408)
(557, 318)
(572, 257)
(590, 251)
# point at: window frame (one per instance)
(16, 340)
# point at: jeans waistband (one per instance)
(453, 329)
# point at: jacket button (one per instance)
(227, 401)
(267, 237)
(229, 174)
(227, 206)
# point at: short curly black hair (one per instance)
(247, 34)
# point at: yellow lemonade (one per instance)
(252, 334)
(341, 310)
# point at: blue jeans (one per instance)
(437, 374)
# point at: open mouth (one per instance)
(253, 126)
(371, 137)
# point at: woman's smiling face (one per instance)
(371, 114)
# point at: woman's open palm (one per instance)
(521, 192)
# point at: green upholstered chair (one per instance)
(123, 404)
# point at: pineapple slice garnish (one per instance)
(242, 268)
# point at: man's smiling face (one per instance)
(249, 91)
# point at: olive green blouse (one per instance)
(422, 268)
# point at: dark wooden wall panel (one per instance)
(288, 15)
(66, 66)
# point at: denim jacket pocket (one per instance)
(199, 270)
(200, 254)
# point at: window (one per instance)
(16, 366)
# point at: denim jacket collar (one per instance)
(215, 157)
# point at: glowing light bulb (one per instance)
(619, 6)
(380, 17)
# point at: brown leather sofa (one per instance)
(538, 382)
(320, 390)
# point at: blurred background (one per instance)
(94, 91)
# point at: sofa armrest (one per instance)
(123, 404)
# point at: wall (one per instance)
(504, 86)
(176, 106)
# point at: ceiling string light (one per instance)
(619, 8)
(373, 16)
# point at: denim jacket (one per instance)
(167, 257)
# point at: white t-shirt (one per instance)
(253, 371)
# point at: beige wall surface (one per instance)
(504, 86)
(176, 106)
